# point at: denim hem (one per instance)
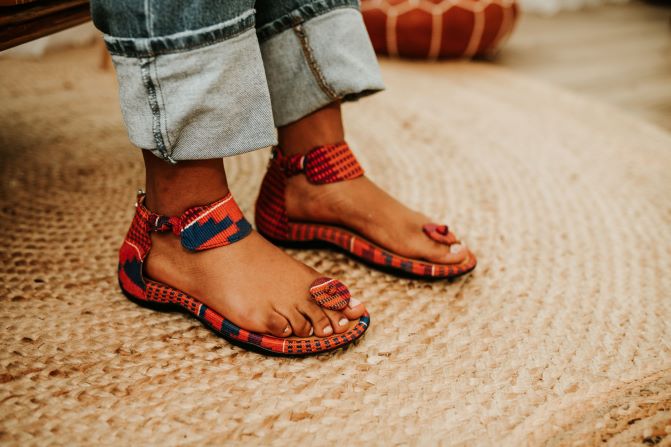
(269, 140)
(300, 15)
(210, 102)
(306, 71)
(182, 41)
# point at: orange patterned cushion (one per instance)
(438, 28)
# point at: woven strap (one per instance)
(323, 164)
(200, 228)
(330, 293)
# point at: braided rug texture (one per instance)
(561, 336)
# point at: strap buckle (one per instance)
(160, 224)
(290, 166)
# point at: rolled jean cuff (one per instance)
(314, 63)
(195, 95)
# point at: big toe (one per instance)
(355, 309)
(442, 253)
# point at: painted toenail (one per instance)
(287, 329)
(455, 248)
(312, 331)
(328, 330)
(343, 321)
(353, 302)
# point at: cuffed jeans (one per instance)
(205, 79)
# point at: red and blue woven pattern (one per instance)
(372, 254)
(133, 251)
(328, 164)
(220, 223)
(330, 293)
(323, 164)
(162, 294)
(215, 225)
(270, 212)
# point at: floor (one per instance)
(620, 54)
(559, 337)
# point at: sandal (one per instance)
(200, 228)
(328, 164)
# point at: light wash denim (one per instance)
(213, 78)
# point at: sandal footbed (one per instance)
(292, 346)
(310, 235)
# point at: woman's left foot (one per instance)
(362, 206)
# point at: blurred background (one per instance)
(617, 51)
(560, 337)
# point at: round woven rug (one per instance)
(561, 336)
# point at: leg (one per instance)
(314, 53)
(227, 278)
(308, 77)
(358, 204)
(193, 91)
(191, 78)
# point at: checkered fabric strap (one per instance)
(323, 164)
(330, 293)
(202, 227)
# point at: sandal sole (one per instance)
(291, 347)
(304, 236)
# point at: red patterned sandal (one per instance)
(200, 228)
(328, 164)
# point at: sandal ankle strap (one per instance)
(202, 227)
(320, 165)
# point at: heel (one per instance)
(161, 307)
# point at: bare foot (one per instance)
(358, 204)
(362, 206)
(251, 282)
(254, 284)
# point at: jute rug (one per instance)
(562, 336)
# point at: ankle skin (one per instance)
(172, 189)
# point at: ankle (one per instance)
(324, 203)
(321, 127)
(172, 189)
(174, 202)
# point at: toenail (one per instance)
(328, 330)
(343, 321)
(353, 302)
(455, 248)
(312, 331)
(287, 329)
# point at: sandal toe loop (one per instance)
(437, 232)
(330, 293)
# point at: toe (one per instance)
(339, 321)
(438, 244)
(452, 238)
(278, 325)
(320, 321)
(440, 253)
(355, 309)
(300, 325)
(455, 254)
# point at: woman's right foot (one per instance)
(254, 284)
